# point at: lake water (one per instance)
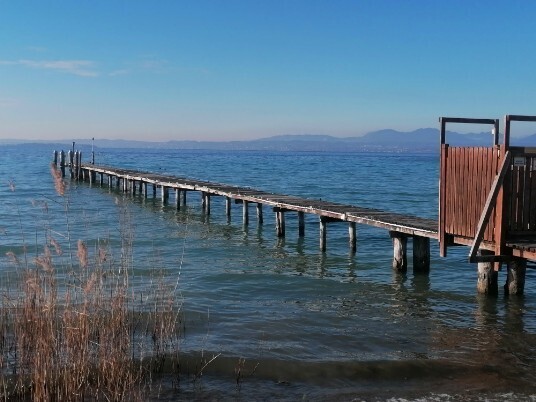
(306, 325)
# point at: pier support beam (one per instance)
(323, 233)
(279, 222)
(133, 186)
(184, 197)
(421, 254)
(301, 224)
(245, 212)
(259, 214)
(205, 202)
(177, 199)
(400, 260)
(487, 281)
(228, 207)
(165, 195)
(62, 163)
(515, 280)
(352, 238)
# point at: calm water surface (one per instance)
(309, 325)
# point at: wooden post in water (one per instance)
(70, 157)
(352, 238)
(279, 222)
(301, 224)
(515, 280)
(117, 181)
(260, 219)
(400, 260)
(79, 171)
(487, 281)
(177, 199)
(228, 207)
(165, 195)
(421, 254)
(245, 212)
(184, 197)
(133, 185)
(205, 202)
(154, 190)
(110, 181)
(101, 179)
(62, 163)
(55, 157)
(323, 233)
(144, 189)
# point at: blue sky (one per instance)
(222, 70)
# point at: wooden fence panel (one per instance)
(470, 173)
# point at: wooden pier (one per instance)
(400, 226)
(486, 201)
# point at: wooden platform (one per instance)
(404, 224)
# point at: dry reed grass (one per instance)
(84, 337)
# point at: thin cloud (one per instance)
(115, 73)
(9, 102)
(82, 68)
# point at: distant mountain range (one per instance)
(421, 140)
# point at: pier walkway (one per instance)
(400, 226)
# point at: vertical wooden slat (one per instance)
(532, 222)
(526, 195)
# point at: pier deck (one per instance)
(404, 224)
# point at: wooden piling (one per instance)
(154, 190)
(487, 281)
(260, 218)
(184, 197)
(133, 186)
(323, 233)
(205, 202)
(228, 207)
(515, 280)
(352, 238)
(62, 163)
(301, 224)
(177, 199)
(165, 194)
(245, 212)
(400, 261)
(101, 179)
(421, 254)
(70, 158)
(55, 158)
(279, 222)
